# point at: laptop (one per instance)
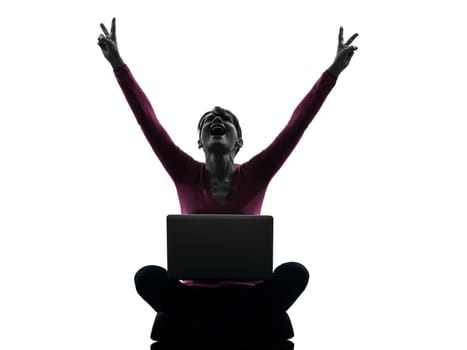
(219, 247)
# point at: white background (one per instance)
(372, 200)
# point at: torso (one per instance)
(220, 189)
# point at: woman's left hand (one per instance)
(344, 54)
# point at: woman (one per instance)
(221, 186)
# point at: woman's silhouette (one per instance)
(221, 186)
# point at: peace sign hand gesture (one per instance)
(344, 54)
(108, 43)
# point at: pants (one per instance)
(270, 296)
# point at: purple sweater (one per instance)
(250, 179)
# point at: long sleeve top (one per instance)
(249, 180)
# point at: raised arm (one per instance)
(269, 161)
(172, 158)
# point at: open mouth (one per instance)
(217, 129)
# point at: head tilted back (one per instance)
(221, 111)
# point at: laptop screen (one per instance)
(219, 247)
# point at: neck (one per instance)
(220, 166)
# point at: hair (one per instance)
(222, 112)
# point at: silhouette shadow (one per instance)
(279, 345)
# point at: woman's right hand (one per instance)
(108, 44)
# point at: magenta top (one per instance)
(249, 180)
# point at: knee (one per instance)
(149, 275)
(292, 273)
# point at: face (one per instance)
(218, 133)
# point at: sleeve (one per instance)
(266, 163)
(174, 160)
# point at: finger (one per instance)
(352, 38)
(102, 38)
(341, 36)
(348, 53)
(349, 49)
(101, 44)
(104, 29)
(113, 33)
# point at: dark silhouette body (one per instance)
(221, 186)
